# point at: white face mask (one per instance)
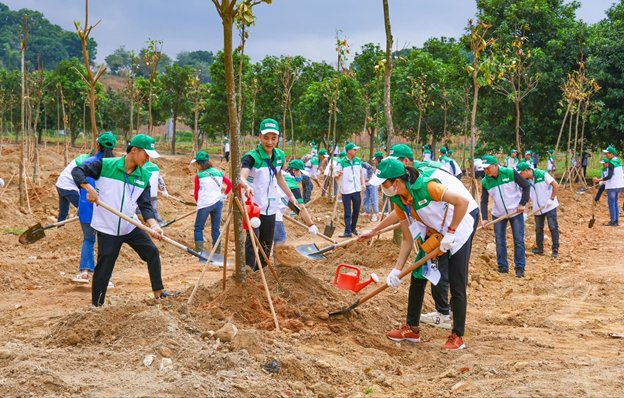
(389, 192)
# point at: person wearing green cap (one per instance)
(601, 185)
(544, 191)
(294, 175)
(208, 186)
(457, 171)
(122, 183)
(156, 181)
(551, 167)
(614, 182)
(403, 153)
(352, 183)
(329, 166)
(427, 156)
(446, 161)
(106, 144)
(510, 193)
(429, 199)
(528, 159)
(314, 150)
(312, 173)
(226, 149)
(512, 160)
(261, 179)
(378, 156)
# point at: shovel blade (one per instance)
(203, 256)
(219, 261)
(310, 251)
(329, 230)
(346, 310)
(32, 235)
(592, 222)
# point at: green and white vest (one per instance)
(292, 183)
(263, 179)
(551, 164)
(529, 162)
(511, 163)
(153, 168)
(504, 191)
(427, 156)
(432, 213)
(65, 180)
(210, 184)
(541, 191)
(121, 192)
(446, 163)
(351, 179)
(617, 181)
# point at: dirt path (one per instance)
(545, 335)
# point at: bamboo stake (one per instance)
(225, 248)
(7, 185)
(383, 215)
(259, 264)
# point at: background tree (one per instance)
(23, 35)
(176, 83)
(388, 76)
(152, 56)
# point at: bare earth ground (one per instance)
(545, 335)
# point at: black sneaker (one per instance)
(503, 270)
(519, 273)
(539, 252)
(555, 253)
(610, 224)
(356, 233)
(346, 235)
(164, 295)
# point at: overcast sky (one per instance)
(288, 27)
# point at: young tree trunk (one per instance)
(578, 114)
(569, 142)
(418, 131)
(473, 126)
(235, 158)
(173, 136)
(388, 76)
(561, 130)
(131, 112)
(518, 127)
(195, 131)
(292, 133)
(22, 192)
(583, 130)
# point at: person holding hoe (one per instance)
(441, 205)
(122, 183)
(352, 182)
(510, 193)
(544, 191)
(208, 185)
(262, 178)
(68, 191)
(614, 182)
(106, 144)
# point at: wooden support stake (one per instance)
(225, 252)
(383, 215)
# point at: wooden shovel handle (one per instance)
(499, 219)
(303, 226)
(387, 229)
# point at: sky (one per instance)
(287, 27)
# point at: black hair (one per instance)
(410, 176)
(129, 148)
(204, 164)
(106, 152)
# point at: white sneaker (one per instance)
(111, 285)
(375, 218)
(437, 319)
(82, 277)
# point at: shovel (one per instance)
(329, 229)
(35, 233)
(180, 200)
(168, 223)
(593, 219)
(318, 255)
(380, 289)
(310, 248)
(203, 256)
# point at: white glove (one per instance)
(313, 230)
(447, 242)
(551, 202)
(601, 183)
(223, 197)
(1, 183)
(165, 194)
(393, 279)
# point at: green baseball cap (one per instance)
(323, 152)
(269, 126)
(107, 140)
(550, 151)
(450, 152)
(389, 168)
(512, 151)
(146, 143)
(401, 151)
(378, 155)
(313, 143)
(610, 149)
(201, 156)
(489, 160)
(523, 166)
(342, 154)
(528, 153)
(298, 165)
(351, 146)
(426, 146)
(443, 149)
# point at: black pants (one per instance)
(440, 292)
(351, 219)
(108, 251)
(227, 157)
(458, 280)
(540, 220)
(307, 189)
(265, 234)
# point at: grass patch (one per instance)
(13, 231)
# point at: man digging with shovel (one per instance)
(123, 184)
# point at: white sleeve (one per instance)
(548, 178)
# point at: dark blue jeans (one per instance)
(540, 219)
(214, 212)
(87, 254)
(613, 196)
(66, 197)
(351, 219)
(517, 230)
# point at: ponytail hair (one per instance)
(106, 152)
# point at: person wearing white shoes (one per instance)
(352, 179)
(614, 182)
(430, 199)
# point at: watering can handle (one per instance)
(345, 266)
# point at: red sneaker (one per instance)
(405, 333)
(454, 342)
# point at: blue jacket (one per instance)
(85, 208)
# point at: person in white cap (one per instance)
(349, 170)
(122, 183)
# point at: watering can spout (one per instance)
(362, 285)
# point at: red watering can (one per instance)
(253, 210)
(349, 281)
